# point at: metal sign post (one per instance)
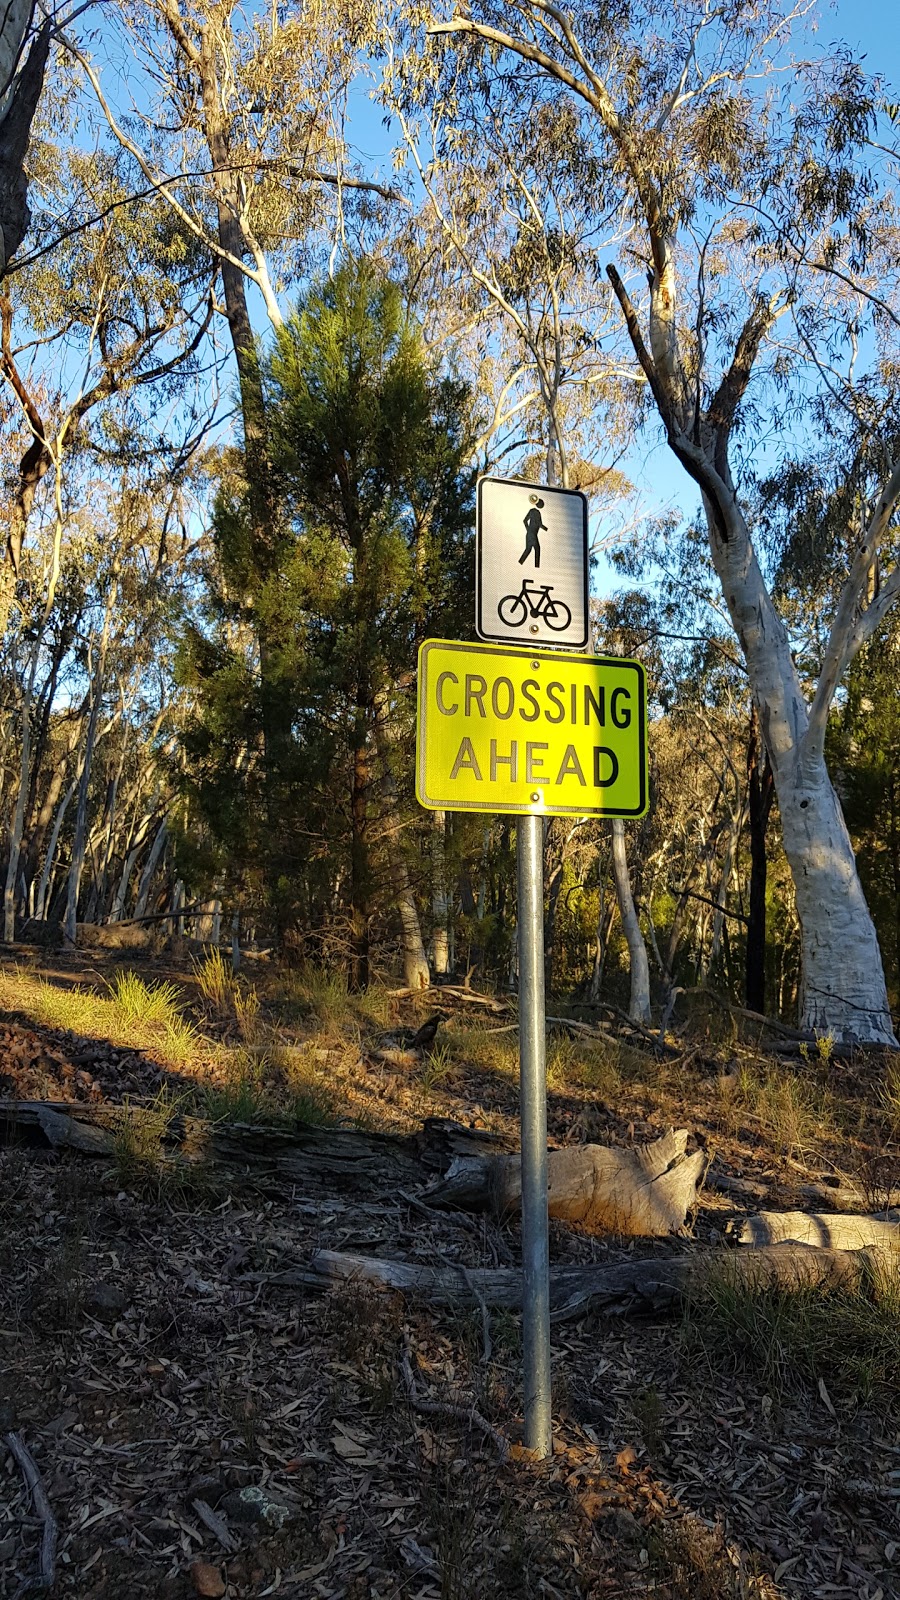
(533, 733)
(533, 1120)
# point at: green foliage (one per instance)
(138, 1134)
(144, 1004)
(371, 551)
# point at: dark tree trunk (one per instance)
(360, 865)
(761, 792)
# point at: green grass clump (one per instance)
(846, 1336)
(215, 979)
(138, 1134)
(141, 1004)
(270, 1086)
(321, 995)
(436, 1068)
(131, 1013)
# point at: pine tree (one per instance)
(374, 503)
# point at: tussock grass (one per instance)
(141, 1004)
(438, 1067)
(137, 1138)
(143, 1165)
(481, 1049)
(321, 996)
(794, 1112)
(132, 1013)
(272, 1086)
(215, 980)
(846, 1338)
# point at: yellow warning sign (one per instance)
(511, 730)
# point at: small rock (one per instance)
(105, 1302)
(207, 1580)
(255, 1505)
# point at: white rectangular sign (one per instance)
(531, 564)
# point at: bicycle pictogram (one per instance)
(533, 600)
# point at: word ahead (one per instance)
(530, 730)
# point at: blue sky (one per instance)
(869, 27)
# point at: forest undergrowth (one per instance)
(202, 1428)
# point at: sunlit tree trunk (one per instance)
(150, 866)
(639, 1002)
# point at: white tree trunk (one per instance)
(639, 1004)
(146, 882)
(842, 990)
(70, 925)
(415, 961)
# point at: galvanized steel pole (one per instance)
(533, 1117)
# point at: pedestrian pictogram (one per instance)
(544, 530)
(533, 527)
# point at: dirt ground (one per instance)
(199, 1428)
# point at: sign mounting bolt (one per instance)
(534, 627)
(535, 665)
(534, 799)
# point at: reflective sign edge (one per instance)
(552, 488)
(479, 646)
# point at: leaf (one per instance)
(207, 1580)
(826, 1397)
(348, 1449)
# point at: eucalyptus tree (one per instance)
(247, 151)
(759, 243)
(505, 230)
(86, 333)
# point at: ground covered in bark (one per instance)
(200, 1428)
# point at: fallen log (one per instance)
(839, 1231)
(651, 1285)
(641, 1192)
(265, 1154)
(647, 1191)
(726, 1183)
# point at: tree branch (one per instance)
(644, 357)
(851, 628)
(733, 387)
